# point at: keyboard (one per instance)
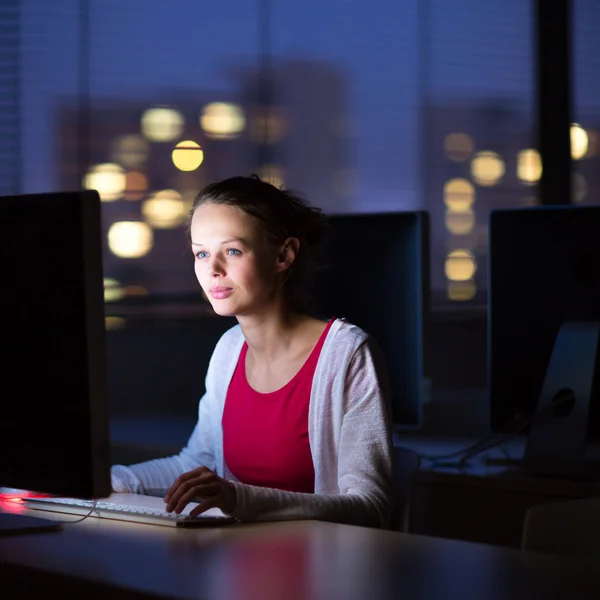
(136, 508)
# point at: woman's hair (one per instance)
(281, 214)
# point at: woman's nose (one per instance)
(215, 267)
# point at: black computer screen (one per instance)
(54, 412)
(377, 277)
(544, 272)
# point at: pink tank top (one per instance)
(265, 436)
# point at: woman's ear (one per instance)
(287, 253)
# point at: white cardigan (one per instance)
(350, 436)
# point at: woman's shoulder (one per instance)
(226, 352)
(346, 333)
(345, 329)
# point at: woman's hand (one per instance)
(203, 486)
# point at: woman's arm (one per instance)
(159, 474)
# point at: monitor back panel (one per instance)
(378, 279)
(544, 270)
(54, 423)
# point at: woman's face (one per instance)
(234, 263)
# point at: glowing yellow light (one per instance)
(268, 126)
(165, 209)
(130, 239)
(459, 195)
(529, 165)
(112, 290)
(579, 141)
(131, 151)
(460, 265)
(460, 223)
(136, 185)
(108, 179)
(187, 155)
(487, 168)
(272, 174)
(461, 291)
(459, 147)
(111, 323)
(222, 120)
(162, 124)
(135, 290)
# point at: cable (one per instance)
(489, 442)
(82, 518)
(62, 522)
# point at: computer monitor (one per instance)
(54, 423)
(543, 333)
(377, 277)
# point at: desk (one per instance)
(295, 560)
(481, 502)
(486, 505)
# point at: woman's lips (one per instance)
(220, 292)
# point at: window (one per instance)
(359, 105)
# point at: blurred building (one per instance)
(148, 158)
(301, 130)
(480, 157)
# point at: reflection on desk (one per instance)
(297, 560)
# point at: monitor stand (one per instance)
(556, 442)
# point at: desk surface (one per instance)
(296, 560)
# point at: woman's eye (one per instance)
(201, 254)
(232, 251)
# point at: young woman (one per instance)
(295, 421)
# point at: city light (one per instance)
(272, 174)
(459, 147)
(222, 120)
(131, 151)
(459, 223)
(187, 155)
(108, 179)
(529, 165)
(136, 185)
(460, 265)
(165, 209)
(461, 291)
(162, 124)
(579, 187)
(130, 239)
(112, 290)
(267, 126)
(135, 290)
(459, 194)
(579, 141)
(111, 323)
(487, 168)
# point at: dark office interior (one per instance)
(458, 110)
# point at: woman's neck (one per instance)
(275, 335)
